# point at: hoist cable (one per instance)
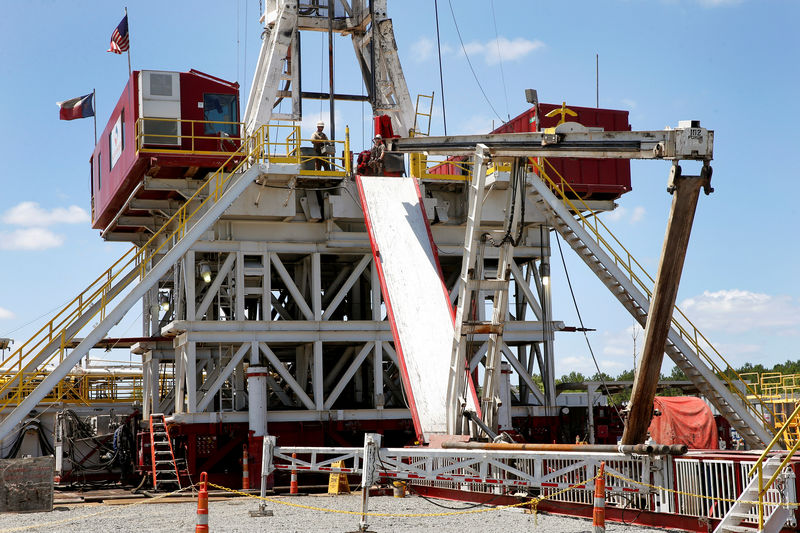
(439, 51)
(500, 59)
(474, 75)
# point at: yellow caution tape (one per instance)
(532, 502)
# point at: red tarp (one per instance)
(684, 420)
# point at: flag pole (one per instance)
(129, 41)
(94, 104)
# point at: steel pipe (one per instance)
(629, 449)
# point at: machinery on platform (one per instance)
(289, 303)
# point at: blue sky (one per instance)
(730, 64)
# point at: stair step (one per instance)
(740, 529)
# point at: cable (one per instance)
(580, 319)
(441, 76)
(474, 75)
(500, 57)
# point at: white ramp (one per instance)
(416, 298)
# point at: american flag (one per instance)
(119, 39)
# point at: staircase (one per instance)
(630, 284)
(746, 506)
(165, 470)
(114, 292)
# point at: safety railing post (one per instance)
(369, 471)
(348, 161)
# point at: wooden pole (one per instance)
(679, 226)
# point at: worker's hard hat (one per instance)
(378, 137)
(320, 124)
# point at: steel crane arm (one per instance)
(687, 142)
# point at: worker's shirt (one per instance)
(376, 154)
(318, 139)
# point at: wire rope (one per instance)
(580, 320)
(439, 51)
(471, 68)
(500, 58)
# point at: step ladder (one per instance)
(615, 271)
(164, 467)
(743, 510)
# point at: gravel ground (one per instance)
(232, 515)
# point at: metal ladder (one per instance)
(427, 116)
(619, 279)
(165, 469)
(472, 283)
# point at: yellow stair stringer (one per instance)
(21, 371)
(602, 235)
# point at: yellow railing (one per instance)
(758, 468)
(189, 136)
(21, 371)
(284, 145)
(86, 389)
(639, 276)
(439, 168)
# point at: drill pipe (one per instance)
(639, 449)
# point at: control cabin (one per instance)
(165, 126)
(598, 179)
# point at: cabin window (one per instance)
(220, 108)
(99, 169)
(116, 140)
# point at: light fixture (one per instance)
(205, 272)
(163, 299)
(544, 273)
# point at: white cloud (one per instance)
(622, 214)
(422, 49)
(5, 314)
(629, 103)
(737, 310)
(29, 239)
(502, 48)
(30, 214)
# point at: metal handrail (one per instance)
(629, 264)
(173, 143)
(250, 152)
(759, 466)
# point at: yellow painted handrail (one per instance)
(758, 468)
(175, 142)
(637, 274)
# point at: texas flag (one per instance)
(80, 107)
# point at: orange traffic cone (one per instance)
(245, 470)
(293, 482)
(599, 512)
(202, 505)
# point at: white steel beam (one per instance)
(220, 377)
(351, 279)
(347, 376)
(224, 269)
(281, 369)
(290, 285)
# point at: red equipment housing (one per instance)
(599, 179)
(165, 125)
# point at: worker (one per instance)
(376, 155)
(319, 140)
